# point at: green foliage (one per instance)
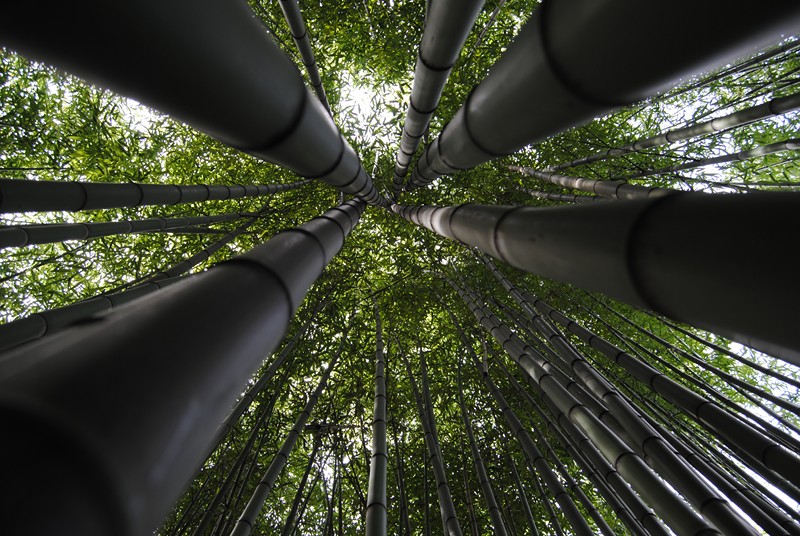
(55, 127)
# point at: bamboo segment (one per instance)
(244, 526)
(649, 253)
(450, 524)
(564, 198)
(213, 66)
(604, 188)
(772, 148)
(48, 233)
(447, 25)
(563, 69)
(134, 398)
(48, 196)
(297, 27)
(376, 515)
(771, 108)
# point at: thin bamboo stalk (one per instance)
(168, 367)
(615, 189)
(297, 27)
(564, 198)
(48, 196)
(774, 107)
(376, 517)
(48, 233)
(763, 150)
(448, 512)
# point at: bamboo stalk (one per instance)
(48, 196)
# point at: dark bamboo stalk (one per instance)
(297, 27)
(244, 526)
(168, 367)
(612, 189)
(376, 517)
(772, 148)
(648, 253)
(48, 233)
(44, 323)
(564, 198)
(480, 468)
(447, 25)
(216, 69)
(449, 519)
(560, 71)
(771, 108)
(49, 196)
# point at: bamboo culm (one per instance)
(48, 196)
(647, 253)
(136, 359)
(297, 27)
(604, 188)
(247, 520)
(447, 25)
(376, 520)
(774, 107)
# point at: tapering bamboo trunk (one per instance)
(376, 521)
(447, 508)
(771, 108)
(560, 71)
(447, 25)
(612, 189)
(523, 497)
(297, 27)
(246, 522)
(258, 103)
(49, 196)
(648, 253)
(168, 367)
(772, 148)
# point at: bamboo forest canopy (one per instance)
(396, 267)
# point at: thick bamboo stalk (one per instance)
(564, 198)
(134, 397)
(604, 188)
(771, 108)
(246, 522)
(297, 27)
(763, 150)
(648, 253)
(48, 196)
(447, 25)
(48, 233)
(562, 70)
(212, 65)
(376, 520)
(450, 522)
(48, 322)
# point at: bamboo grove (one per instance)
(399, 267)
